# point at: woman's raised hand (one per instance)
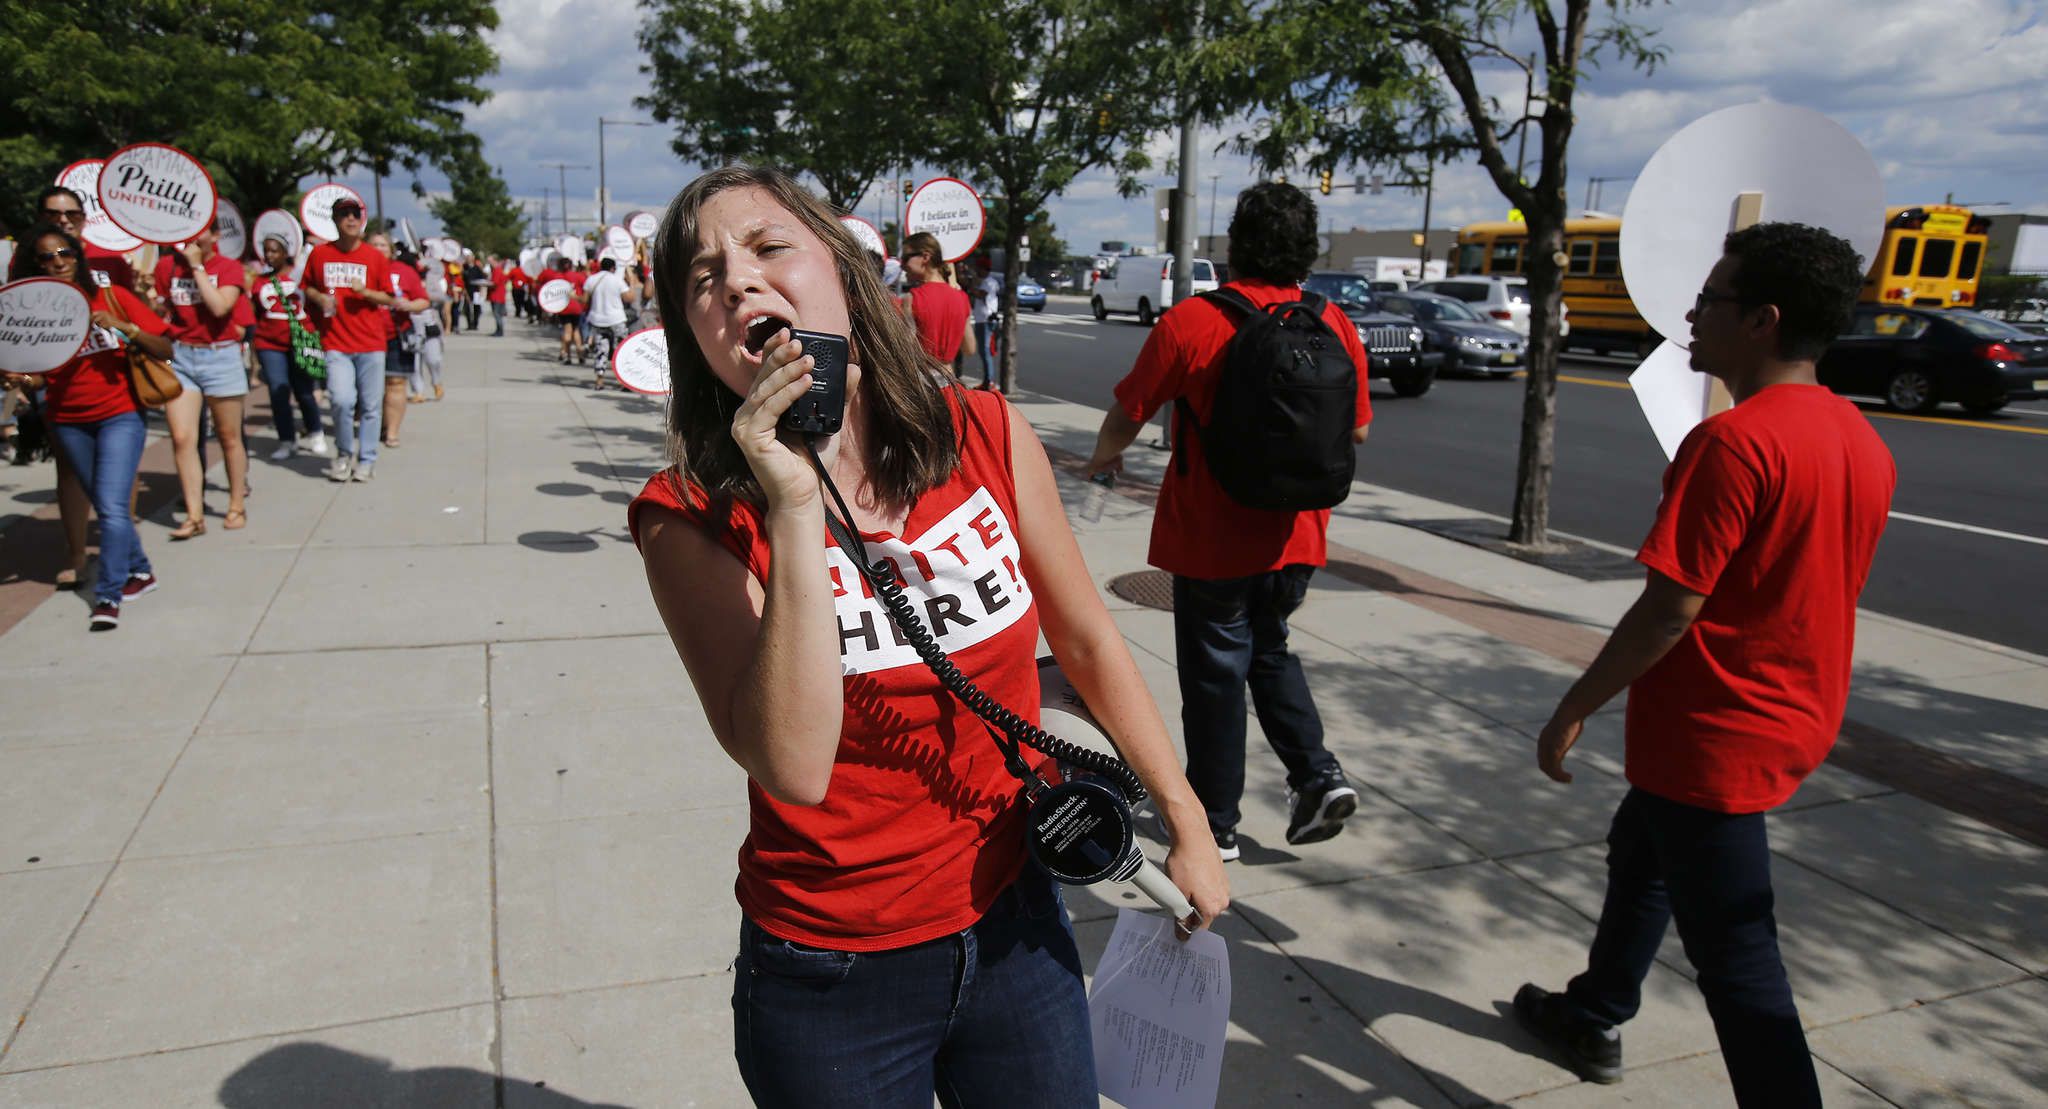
(777, 458)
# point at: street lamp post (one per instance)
(603, 215)
(564, 168)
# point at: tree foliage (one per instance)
(479, 211)
(265, 92)
(1396, 82)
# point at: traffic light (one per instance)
(1324, 185)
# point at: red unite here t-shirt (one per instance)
(1772, 510)
(405, 284)
(941, 313)
(357, 326)
(109, 267)
(94, 386)
(921, 827)
(191, 321)
(1198, 531)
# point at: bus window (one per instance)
(1966, 270)
(1902, 262)
(1582, 257)
(1507, 256)
(1607, 263)
(1937, 257)
(1471, 257)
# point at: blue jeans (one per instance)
(286, 381)
(994, 1015)
(1228, 635)
(355, 387)
(105, 456)
(1710, 871)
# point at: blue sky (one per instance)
(1945, 96)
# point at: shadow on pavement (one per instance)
(317, 1076)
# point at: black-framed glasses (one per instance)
(1709, 296)
(55, 214)
(53, 255)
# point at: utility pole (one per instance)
(1183, 246)
(563, 169)
(1212, 209)
(603, 215)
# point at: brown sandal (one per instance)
(236, 520)
(188, 529)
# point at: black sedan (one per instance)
(1468, 341)
(1917, 358)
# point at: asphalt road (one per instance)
(1955, 556)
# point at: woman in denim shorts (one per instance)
(199, 289)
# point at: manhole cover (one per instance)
(1151, 588)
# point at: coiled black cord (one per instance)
(1002, 722)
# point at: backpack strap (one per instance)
(1228, 298)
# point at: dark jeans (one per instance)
(1711, 872)
(994, 1015)
(474, 309)
(105, 456)
(1231, 634)
(498, 316)
(287, 380)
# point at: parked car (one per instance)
(1143, 283)
(1916, 358)
(1505, 300)
(1394, 344)
(1469, 342)
(1030, 294)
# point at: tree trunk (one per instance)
(1540, 263)
(1013, 234)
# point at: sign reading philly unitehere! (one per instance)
(554, 296)
(950, 209)
(641, 362)
(316, 210)
(83, 178)
(43, 322)
(157, 193)
(865, 234)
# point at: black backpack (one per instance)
(1279, 433)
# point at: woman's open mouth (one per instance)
(762, 330)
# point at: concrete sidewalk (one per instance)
(399, 797)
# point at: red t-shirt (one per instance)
(1772, 510)
(405, 284)
(94, 386)
(501, 276)
(576, 279)
(940, 312)
(191, 321)
(358, 326)
(274, 316)
(109, 267)
(1198, 531)
(921, 827)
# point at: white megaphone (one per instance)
(1081, 829)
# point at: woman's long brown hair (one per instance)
(912, 446)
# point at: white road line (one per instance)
(1971, 528)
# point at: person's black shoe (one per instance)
(1593, 1054)
(1226, 846)
(1317, 810)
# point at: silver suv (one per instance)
(1504, 300)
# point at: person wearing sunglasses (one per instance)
(65, 209)
(347, 280)
(94, 419)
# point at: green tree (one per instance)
(265, 92)
(1393, 82)
(1046, 243)
(810, 86)
(479, 210)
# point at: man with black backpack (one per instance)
(1268, 388)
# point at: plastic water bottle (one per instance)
(1099, 486)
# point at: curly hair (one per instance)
(1273, 233)
(1810, 275)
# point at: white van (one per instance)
(1143, 283)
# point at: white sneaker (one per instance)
(342, 469)
(320, 444)
(283, 451)
(366, 471)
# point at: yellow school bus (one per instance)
(1602, 315)
(1932, 257)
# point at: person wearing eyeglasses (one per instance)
(201, 290)
(90, 405)
(1736, 661)
(347, 280)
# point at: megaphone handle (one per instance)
(1161, 889)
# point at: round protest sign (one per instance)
(83, 178)
(316, 211)
(157, 193)
(643, 225)
(641, 362)
(865, 234)
(529, 261)
(278, 224)
(570, 247)
(950, 209)
(554, 296)
(234, 231)
(43, 322)
(618, 243)
(448, 250)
